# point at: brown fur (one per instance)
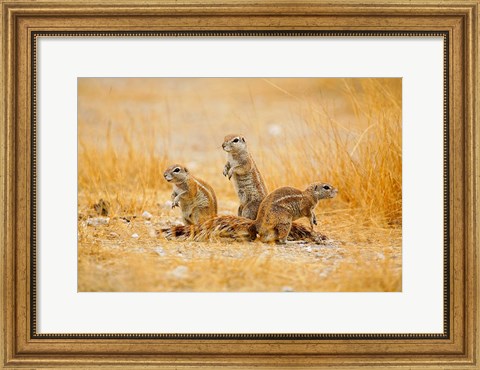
(233, 228)
(194, 196)
(285, 205)
(246, 178)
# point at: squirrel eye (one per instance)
(326, 187)
(176, 170)
(235, 140)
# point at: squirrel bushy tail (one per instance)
(234, 228)
(220, 227)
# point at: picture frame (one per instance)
(458, 347)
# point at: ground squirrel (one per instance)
(236, 228)
(285, 205)
(247, 180)
(195, 197)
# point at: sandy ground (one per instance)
(129, 253)
(346, 132)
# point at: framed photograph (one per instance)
(235, 184)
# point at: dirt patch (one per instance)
(129, 254)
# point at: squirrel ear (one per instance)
(243, 139)
(185, 169)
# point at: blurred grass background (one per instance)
(346, 132)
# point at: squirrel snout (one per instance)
(226, 147)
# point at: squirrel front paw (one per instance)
(175, 204)
(226, 169)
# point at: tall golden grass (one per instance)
(361, 155)
(346, 132)
(125, 173)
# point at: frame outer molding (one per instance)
(20, 18)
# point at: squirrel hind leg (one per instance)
(252, 231)
(187, 219)
(240, 210)
(282, 232)
(250, 210)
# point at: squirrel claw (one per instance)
(226, 169)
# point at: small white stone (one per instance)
(275, 130)
(146, 215)
(160, 251)
(135, 236)
(287, 289)
(179, 272)
(168, 204)
(97, 221)
(308, 249)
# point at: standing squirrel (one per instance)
(195, 197)
(246, 178)
(285, 205)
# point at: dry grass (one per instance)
(111, 260)
(361, 156)
(343, 131)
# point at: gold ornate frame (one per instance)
(23, 20)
